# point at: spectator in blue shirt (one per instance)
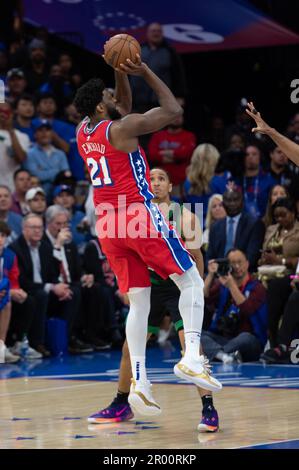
(44, 160)
(61, 88)
(47, 109)
(64, 196)
(255, 183)
(24, 112)
(13, 220)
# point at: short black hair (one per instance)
(25, 97)
(233, 250)
(20, 170)
(89, 96)
(45, 96)
(164, 171)
(285, 202)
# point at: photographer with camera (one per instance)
(238, 327)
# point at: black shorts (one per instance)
(164, 299)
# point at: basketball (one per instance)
(119, 48)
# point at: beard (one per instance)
(174, 127)
(113, 113)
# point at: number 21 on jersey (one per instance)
(95, 169)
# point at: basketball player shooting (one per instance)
(118, 167)
(287, 146)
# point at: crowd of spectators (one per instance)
(48, 249)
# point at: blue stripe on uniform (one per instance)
(179, 253)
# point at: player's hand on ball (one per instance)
(131, 68)
(262, 126)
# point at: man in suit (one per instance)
(237, 230)
(37, 276)
(58, 237)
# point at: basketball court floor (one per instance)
(44, 405)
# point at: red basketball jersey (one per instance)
(113, 173)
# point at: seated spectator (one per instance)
(57, 86)
(44, 160)
(279, 260)
(255, 183)
(239, 325)
(37, 70)
(13, 146)
(236, 142)
(22, 185)
(58, 237)
(216, 132)
(16, 85)
(288, 331)
(64, 196)
(237, 230)
(24, 112)
(215, 212)
(46, 107)
(281, 173)
(13, 220)
(68, 71)
(37, 279)
(36, 201)
(242, 125)
(171, 149)
(199, 174)
(229, 168)
(76, 162)
(8, 278)
(275, 193)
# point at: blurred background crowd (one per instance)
(52, 265)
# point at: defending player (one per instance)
(120, 175)
(164, 298)
(287, 146)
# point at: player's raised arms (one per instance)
(287, 146)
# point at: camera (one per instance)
(228, 325)
(224, 267)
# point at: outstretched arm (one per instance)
(290, 148)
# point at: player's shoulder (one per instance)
(81, 124)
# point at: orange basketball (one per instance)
(119, 48)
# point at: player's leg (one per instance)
(119, 409)
(209, 419)
(140, 397)
(191, 306)
(165, 253)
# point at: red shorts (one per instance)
(134, 247)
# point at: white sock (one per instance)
(192, 344)
(224, 357)
(2, 352)
(136, 329)
(191, 306)
(138, 368)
